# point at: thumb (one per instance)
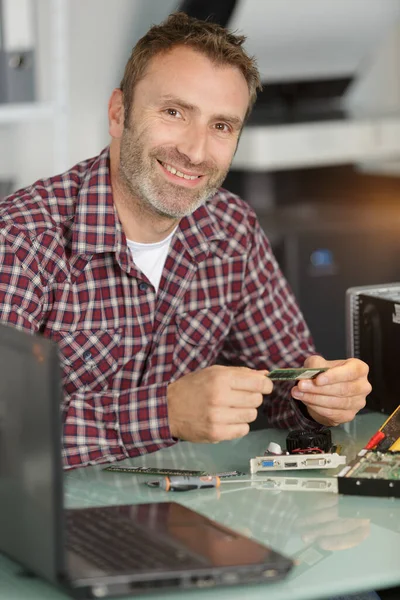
(315, 362)
(318, 362)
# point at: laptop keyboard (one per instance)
(115, 543)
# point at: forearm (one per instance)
(104, 427)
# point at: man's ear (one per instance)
(116, 114)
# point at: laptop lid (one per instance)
(32, 518)
(31, 488)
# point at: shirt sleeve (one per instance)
(22, 293)
(97, 427)
(100, 427)
(269, 330)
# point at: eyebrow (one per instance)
(235, 121)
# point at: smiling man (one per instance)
(148, 275)
(174, 144)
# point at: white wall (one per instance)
(377, 90)
(301, 39)
(101, 34)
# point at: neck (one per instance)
(139, 222)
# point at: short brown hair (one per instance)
(220, 45)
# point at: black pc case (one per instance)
(373, 335)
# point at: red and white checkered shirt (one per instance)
(66, 272)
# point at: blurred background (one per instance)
(319, 159)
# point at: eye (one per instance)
(222, 127)
(172, 112)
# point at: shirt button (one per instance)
(87, 355)
(143, 286)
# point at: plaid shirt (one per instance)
(67, 273)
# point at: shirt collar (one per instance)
(199, 231)
(97, 228)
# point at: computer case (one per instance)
(373, 335)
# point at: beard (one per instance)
(146, 183)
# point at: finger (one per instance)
(341, 371)
(344, 389)
(222, 433)
(354, 403)
(242, 415)
(239, 399)
(250, 381)
(233, 416)
(318, 362)
(330, 417)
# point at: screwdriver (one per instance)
(184, 484)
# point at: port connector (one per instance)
(315, 462)
(268, 463)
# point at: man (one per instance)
(147, 274)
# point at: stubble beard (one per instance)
(150, 192)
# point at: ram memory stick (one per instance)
(293, 374)
(167, 472)
(155, 471)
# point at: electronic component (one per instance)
(388, 435)
(391, 431)
(373, 335)
(371, 473)
(274, 448)
(301, 441)
(294, 374)
(185, 484)
(293, 461)
(376, 469)
(305, 450)
(167, 472)
(154, 471)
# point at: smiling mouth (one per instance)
(174, 171)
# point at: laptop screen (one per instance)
(31, 493)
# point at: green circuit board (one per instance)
(376, 465)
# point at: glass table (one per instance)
(341, 544)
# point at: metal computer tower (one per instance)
(373, 335)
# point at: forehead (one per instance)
(190, 75)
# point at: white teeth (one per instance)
(178, 173)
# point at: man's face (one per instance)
(186, 118)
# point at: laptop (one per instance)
(100, 551)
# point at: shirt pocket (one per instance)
(89, 359)
(200, 336)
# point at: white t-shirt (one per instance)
(150, 258)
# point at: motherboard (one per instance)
(372, 473)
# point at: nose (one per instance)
(193, 144)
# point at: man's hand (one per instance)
(216, 403)
(337, 395)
